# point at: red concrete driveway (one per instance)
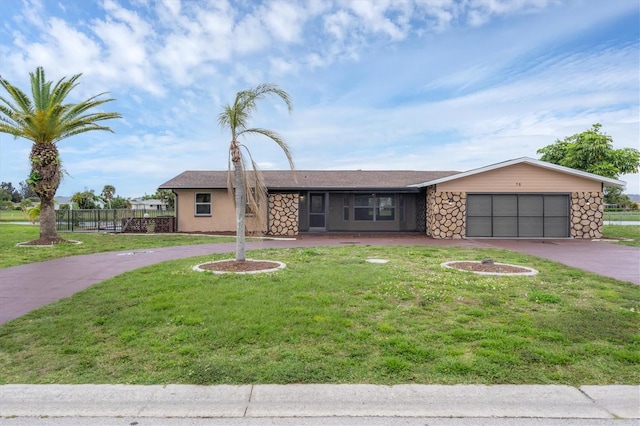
(27, 287)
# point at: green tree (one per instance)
(45, 120)
(107, 194)
(5, 199)
(86, 200)
(167, 196)
(592, 151)
(119, 202)
(249, 187)
(14, 194)
(27, 191)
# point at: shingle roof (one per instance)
(313, 179)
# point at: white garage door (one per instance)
(518, 215)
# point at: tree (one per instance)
(107, 194)
(119, 202)
(13, 193)
(5, 200)
(45, 120)
(249, 187)
(167, 196)
(86, 200)
(27, 191)
(592, 151)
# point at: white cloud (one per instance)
(385, 84)
(285, 20)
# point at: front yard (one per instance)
(333, 317)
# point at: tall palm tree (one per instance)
(45, 120)
(248, 185)
(107, 194)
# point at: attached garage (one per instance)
(518, 215)
(520, 198)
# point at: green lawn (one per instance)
(332, 317)
(92, 242)
(623, 216)
(628, 234)
(13, 216)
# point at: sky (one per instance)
(375, 85)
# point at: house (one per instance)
(520, 198)
(139, 204)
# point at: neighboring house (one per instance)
(139, 204)
(61, 201)
(520, 198)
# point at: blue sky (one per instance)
(396, 84)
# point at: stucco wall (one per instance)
(223, 213)
(521, 178)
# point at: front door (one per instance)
(317, 211)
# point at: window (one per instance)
(203, 204)
(375, 208)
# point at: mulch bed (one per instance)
(47, 242)
(492, 268)
(237, 266)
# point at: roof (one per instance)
(525, 160)
(148, 202)
(314, 179)
(361, 180)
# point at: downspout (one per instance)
(175, 209)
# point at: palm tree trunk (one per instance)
(241, 205)
(47, 219)
(45, 178)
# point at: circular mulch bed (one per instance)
(493, 268)
(249, 266)
(47, 242)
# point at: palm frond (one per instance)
(274, 136)
(46, 118)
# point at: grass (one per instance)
(13, 216)
(92, 242)
(332, 317)
(12, 255)
(624, 216)
(629, 233)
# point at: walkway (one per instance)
(321, 404)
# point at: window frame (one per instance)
(197, 203)
(373, 210)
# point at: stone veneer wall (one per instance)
(283, 214)
(587, 216)
(446, 219)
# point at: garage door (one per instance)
(518, 215)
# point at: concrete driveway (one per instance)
(27, 287)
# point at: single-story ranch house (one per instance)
(520, 198)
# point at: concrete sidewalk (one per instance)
(321, 401)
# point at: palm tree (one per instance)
(45, 120)
(107, 194)
(249, 187)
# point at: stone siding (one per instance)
(283, 214)
(446, 214)
(587, 214)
